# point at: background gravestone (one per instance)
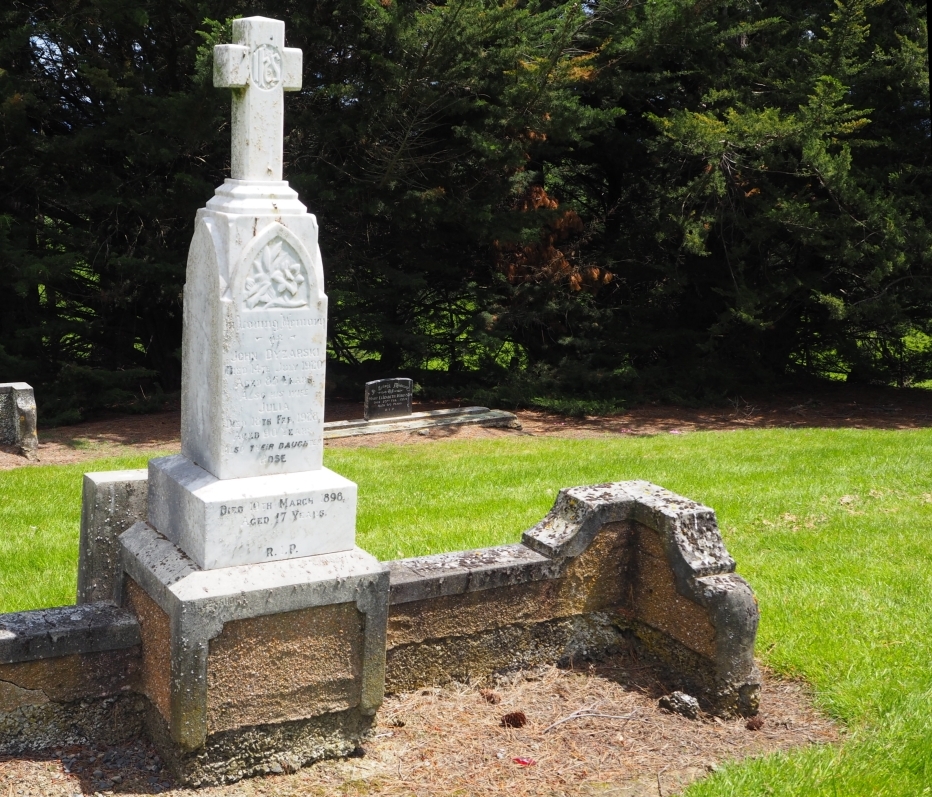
(18, 418)
(388, 398)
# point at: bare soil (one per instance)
(863, 408)
(595, 730)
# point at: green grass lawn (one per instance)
(833, 529)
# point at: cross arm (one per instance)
(291, 68)
(231, 66)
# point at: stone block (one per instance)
(222, 523)
(292, 648)
(111, 502)
(18, 418)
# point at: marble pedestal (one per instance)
(228, 522)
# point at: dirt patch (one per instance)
(595, 730)
(843, 407)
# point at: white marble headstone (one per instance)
(254, 347)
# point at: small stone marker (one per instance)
(388, 398)
(249, 485)
(18, 418)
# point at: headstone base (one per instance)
(259, 750)
(255, 668)
(229, 522)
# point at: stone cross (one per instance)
(258, 67)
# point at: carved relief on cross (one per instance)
(258, 67)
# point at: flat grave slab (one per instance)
(459, 416)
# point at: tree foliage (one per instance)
(515, 197)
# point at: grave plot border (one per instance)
(612, 564)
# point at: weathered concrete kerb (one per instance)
(609, 564)
(284, 663)
(68, 675)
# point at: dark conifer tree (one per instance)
(518, 198)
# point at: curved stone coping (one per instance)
(688, 530)
(66, 630)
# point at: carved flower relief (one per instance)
(276, 278)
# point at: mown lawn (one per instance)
(833, 529)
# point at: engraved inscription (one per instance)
(284, 511)
(289, 523)
(274, 375)
(387, 398)
(290, 550)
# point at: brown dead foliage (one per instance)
(551, 258)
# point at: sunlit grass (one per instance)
(40, 517)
